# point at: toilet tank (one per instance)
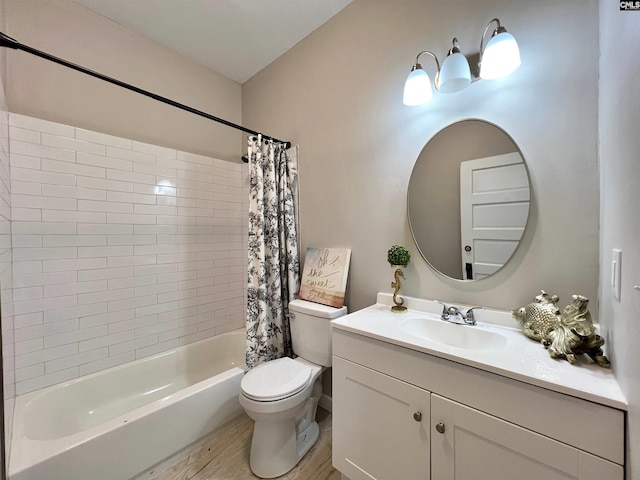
(311, 330)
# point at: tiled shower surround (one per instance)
(121, 249)
(6, 276)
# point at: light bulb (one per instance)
(500, 58)
(417, 88)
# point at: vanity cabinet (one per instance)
(403, 414)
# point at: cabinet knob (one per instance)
(417, 416)
(440, 427)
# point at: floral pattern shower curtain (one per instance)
(274, 267)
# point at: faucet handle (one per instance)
(449, 311)
(469, 316)
(445, 307)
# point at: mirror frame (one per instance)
(527, 222)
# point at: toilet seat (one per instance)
(276, 380)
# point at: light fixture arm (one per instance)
(455, 46)
(498, 29)
(417, 64)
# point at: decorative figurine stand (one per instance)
(398, 257)
(396, 285)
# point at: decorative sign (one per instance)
(324, 277)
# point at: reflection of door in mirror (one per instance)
(494, 205)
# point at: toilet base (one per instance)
(281, 440)
(307, 439)
(275, 448)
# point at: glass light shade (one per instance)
(500, 58)
(417, 88)
(455, 74)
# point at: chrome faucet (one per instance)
(462, 316)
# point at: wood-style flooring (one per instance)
(226, 457)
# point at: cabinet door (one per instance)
(477, 446)
(380, 427)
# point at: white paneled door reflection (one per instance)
(494, 206)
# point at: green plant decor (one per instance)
(398, 255)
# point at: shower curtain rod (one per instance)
(6, 41)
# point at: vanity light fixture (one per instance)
(498, 59)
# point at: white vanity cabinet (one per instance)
(403, 414)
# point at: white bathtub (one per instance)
(114, 424)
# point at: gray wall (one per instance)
(338, 94)
(619, 115)
(42, 89)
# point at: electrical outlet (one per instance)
(616, 269)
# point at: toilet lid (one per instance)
(276, 379)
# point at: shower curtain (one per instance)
(273, 267)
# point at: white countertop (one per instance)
(520, 359)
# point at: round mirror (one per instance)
(468, 200)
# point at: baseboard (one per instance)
(325, 402)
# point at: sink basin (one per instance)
(451, 334)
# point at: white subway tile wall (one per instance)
(6, 277)
(6, 287)
(121, 249)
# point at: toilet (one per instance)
(282, 395)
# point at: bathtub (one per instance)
(114, 424)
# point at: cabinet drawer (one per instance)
(591, 427)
